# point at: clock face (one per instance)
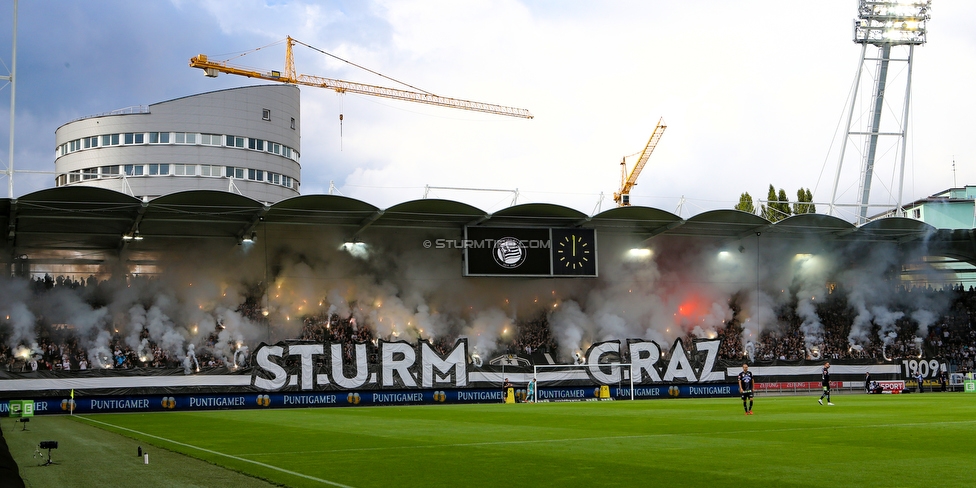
(574, 252)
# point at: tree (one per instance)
(767, 211)
(745, 203)
(783, 205)
(777, 205)
(804, 202)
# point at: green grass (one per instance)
(863, 441)
(91, 457)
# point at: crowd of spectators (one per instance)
(950, 336)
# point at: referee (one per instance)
(745, 388)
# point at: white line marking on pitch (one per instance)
(210, 451)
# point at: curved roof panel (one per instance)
(199, 213)
(319, 210)
(813, 224)
(896, 228)
(537, 214)
(429, 212)
(71, 217)
(636, 219)
(722, 223)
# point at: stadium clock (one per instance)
(574, 252)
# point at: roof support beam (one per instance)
(366, 223)
(248, 231)
(134, 229)
(663, 229)
(480, 220)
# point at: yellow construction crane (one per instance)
(628, 180)
(212, 68)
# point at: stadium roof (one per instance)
(93, 219)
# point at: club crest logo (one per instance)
(509, 252)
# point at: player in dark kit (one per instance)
(745, 388)
(825, 382)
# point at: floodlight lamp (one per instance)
(640, 252)
(356, 249)
(892, 22)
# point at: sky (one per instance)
(754, 92)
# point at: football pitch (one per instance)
(862, 441)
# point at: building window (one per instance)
(233, 172)
(256, 144)
(234, 141)
(91, 142)
(133, 170)
(917, 213)
(265, 114)
(185, 169)
(293, 123)
(210, 139)
(274, 178)
(89, 173)
(186, 138)
(110, 170)
(110, 140)
(209, 170)
(135, 138)
(159, 137)
(61, 180)
(74, 176)
(286, 181)
(158, 169)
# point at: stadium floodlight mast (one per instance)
(883, 24)
(12, 79)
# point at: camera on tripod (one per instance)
(46, 445)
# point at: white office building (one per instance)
(242, 140)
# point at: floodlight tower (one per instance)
(12, 80)
(883, 24)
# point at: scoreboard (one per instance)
(530, 252)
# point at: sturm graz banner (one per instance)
(303, 366)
